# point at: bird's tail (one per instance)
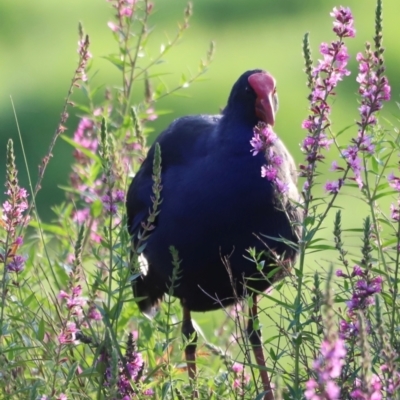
(145, 289)
(148, 296)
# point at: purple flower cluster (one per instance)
(74, 303)
(263, 140)
(343, 24)
(14, 208)
(125, 9)
(364, 290)
(112, 199)
(391, 375)
(12, 217)
(327, 367)
(85, 136)
(374, 89)
(81, 177)
(130, 373)
(16, 264)
(68, 334)
(241, 378)
(326, 76)
(394, 182)
(372, 392)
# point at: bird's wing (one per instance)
(185, 139)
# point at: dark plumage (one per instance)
(214, 202)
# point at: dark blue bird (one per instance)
(215, 206)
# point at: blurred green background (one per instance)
(38, 42)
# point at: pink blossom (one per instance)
(269, 172)
(334, 186)
(126, 12)
(112, 26)
(68, 335)
(394, 181)
(357, 271)
(237, 368)
(94, 314)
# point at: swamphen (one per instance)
(215, 206)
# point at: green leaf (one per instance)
(40, 332)
(84, 150)
(115, 60)
(321, 247)
(96, 208)
(49, 228)
(384, 194)
(92, 372)
(375, 165)
(344, 130)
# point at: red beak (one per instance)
(264, 86)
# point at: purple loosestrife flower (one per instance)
(94, 314)
(85, 136)
(129, 373)
(364, 290)
(349, 330)
(333, 187)
(394, 182)
(391, 376)
(373, 392)
(74, 301)
(325, 77)
(14, 208)
(374, 89)
(68, 334)
(343, 24)
(327, 367)
(263, 140)
(241, 378)
(111, 200)
(17, 264)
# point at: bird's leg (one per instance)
(255, 341)
(190, 350)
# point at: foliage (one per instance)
(69, 325)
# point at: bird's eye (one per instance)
(249, 91)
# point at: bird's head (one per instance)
(254, 97)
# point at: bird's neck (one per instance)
(236, 132)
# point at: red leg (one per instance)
(190, 349)
(255, 340)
